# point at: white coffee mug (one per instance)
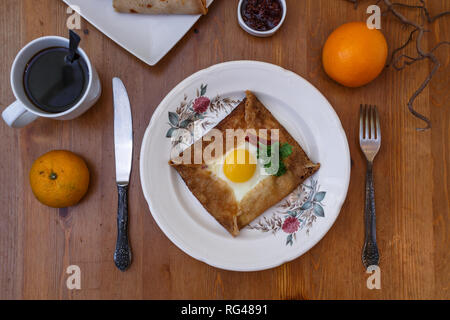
(23, 111)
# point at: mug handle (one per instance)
(16, 116)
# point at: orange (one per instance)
(59, 178)
(354, 55)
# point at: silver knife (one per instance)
(123, 149)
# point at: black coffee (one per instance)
(54, 84)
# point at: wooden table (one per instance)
(412, 178)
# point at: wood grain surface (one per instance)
(412, 178)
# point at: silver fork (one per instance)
(370, 141)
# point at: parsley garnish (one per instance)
(264, 153)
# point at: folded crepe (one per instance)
(218, 198)
(161, 6)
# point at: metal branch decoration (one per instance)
(399, 61)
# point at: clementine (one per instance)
(59, 178)
(354, 55)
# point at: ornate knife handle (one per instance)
(122, 255)
(370, 254)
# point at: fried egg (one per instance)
(239, 168)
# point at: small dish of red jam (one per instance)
(261, 18)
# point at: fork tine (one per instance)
(372, 122)
(369, 131)
(361, 122)
(367, 122)
(377, 120)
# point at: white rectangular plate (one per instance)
(148, 37)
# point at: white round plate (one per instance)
(287, 230)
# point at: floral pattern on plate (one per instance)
(195, 116)
(297, 212)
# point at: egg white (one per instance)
(242, 188)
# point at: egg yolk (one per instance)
(239, 165)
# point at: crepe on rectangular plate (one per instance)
(216, 195)
(161, 6)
